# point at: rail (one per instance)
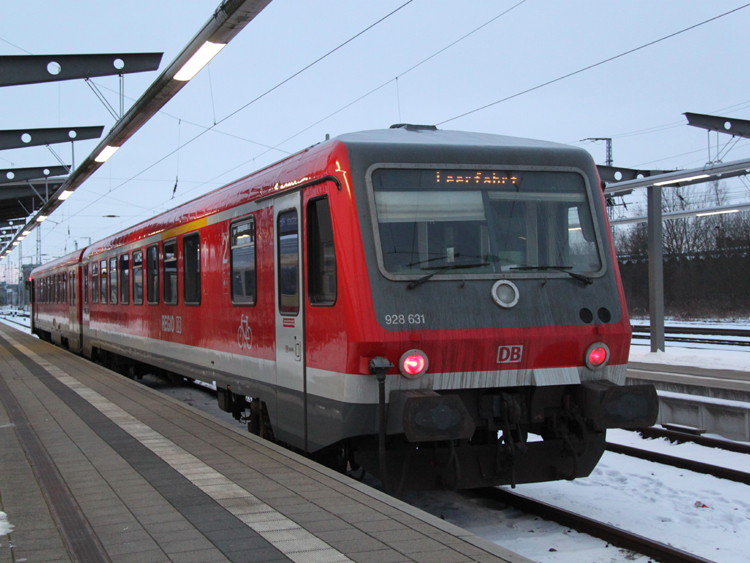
(616, 536)
(681, 437)
(697, 335)
(682, 463)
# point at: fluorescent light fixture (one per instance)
(717, 212)
(26, 233)
(200, 59)
(65, 195)
(106, 153)
(682, 180)
(17, 243)
(41, 218)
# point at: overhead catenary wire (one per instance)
(369, 93)
(238, 110)
(589, 67)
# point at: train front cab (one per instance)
(497, 300)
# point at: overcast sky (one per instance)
(637, 99)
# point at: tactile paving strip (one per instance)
(80, 540)
(302, 546)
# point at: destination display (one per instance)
(474, 177)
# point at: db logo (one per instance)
(509, 354)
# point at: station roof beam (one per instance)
(16, 70)
(728, 125)
(35, 173)
(22, 138)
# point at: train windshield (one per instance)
(479, 222)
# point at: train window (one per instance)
(152, 274)
(242, 257)
(57, 288)
(170, 272)
(113, 280)
(288, 245)
(85, 283)
(138, 277)
(483, 222)
(95, 283)
(103, 281)
(64, 287)
(191, 265)
(72, 288)
(124, 279)
(321, 254)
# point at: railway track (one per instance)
(682, 463)
(615, 536)
(697, 335)
(681, 437)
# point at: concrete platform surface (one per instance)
(97, 468)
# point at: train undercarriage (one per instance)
(466, 438)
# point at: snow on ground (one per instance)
(530, 536)
(700, 514)
(730, 359)
(5, 527)
(703, 515)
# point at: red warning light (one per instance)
(413, 363)
(597, 355)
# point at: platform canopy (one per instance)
(225, 23)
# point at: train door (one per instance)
(33, 285)
(291, 381)
(85, 314)
(74, 336)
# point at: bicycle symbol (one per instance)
(245, 334)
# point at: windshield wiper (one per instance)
(585, 279)
(441, 269)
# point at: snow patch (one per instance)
(5, 526)
(692, 357)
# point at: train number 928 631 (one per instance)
(412, 319)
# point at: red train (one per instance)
(413, 301)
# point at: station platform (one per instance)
(97, 468)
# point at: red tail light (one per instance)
(597, 356)
(413, 363)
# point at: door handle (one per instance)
(298, 351)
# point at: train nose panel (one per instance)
(426, 416)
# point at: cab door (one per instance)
(291, 381)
